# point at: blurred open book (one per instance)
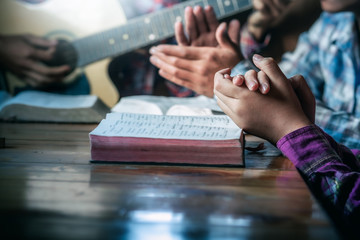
(37, 106)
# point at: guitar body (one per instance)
(67, 19)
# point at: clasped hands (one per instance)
(275, 108)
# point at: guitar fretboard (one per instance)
(147, 29)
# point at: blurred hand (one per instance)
(194, 67)
(23, 55)
(267, 12)
(269, 116)
(200, 27)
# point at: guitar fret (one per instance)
(142, 31)
(236, 6)
(221, 7)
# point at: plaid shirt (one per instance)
(328, 56)
(331, 170)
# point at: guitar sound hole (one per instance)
(65, 54)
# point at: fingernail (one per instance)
(252, 85)
(264, 87)
(257, 57)
(238, 80)
(227, 76)
(153, 59)
(153, 50)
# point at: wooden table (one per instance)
(49, 189)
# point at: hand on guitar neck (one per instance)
(25, 55)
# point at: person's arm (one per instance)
(285, 116)
(342, 125)
(330, 169)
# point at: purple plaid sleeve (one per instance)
(331, 170)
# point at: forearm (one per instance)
(331, 170)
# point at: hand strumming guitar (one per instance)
(24, 55)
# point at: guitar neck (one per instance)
(147, 29)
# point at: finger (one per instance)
(43, 55)
(180, 35)
(238, 80)
(46, 70)
(225, 70)
(200, 20)
(227, 76)
(264, 82)
(211, 18)
(269, 67)
(222, 37)
(185, 82)
(224, 86)
(225, 104)
(282, 4)
(38, 80)
(221, 99)
(262, 6)
(190, 24)
(258, 5)
(170, 72)
(186, 52)
(305, 96)
(32, 82)
(251, 80)
(41, 42)
(164, 62)
(274, 8)
(234, 31)
(219, 75)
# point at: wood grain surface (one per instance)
(50, 190)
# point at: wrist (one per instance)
(291, 126)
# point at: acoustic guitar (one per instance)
(91, 32)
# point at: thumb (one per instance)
(222, 36)
(305, 96)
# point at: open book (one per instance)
(158, 105)
(131, 137)
(37, 106)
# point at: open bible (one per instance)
(161, 105)
(131, 137)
